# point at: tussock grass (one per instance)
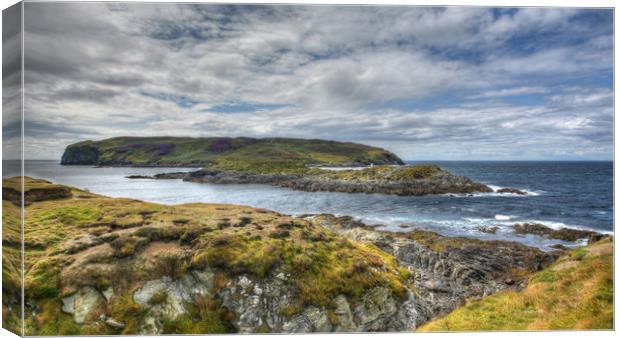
(91, 240)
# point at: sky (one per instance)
(455, 83)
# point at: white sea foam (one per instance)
(527, 191)
(503, 217)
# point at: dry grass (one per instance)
(98, 241)
(575, 293)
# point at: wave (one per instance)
(503, 217)
(527, 191)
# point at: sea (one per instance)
(560, 194)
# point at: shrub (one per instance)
(223, 224)
(243, 221)
(171, 265)
(180, 221)
(279, 234)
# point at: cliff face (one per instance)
(81, 154)
(240, 153)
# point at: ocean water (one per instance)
(561, 194)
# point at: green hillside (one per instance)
(228, 153)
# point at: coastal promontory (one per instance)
(96, 265)
(298, 164)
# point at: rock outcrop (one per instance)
(564, 234)
(437, 182)
(43, 191)
(511, 191)
(447, 271)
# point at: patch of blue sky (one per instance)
(525, 99)
(243, 107)
(428, 103)
(179, 100)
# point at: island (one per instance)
(298, 164)
(96, 265)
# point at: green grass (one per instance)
(259, 155)
(384, 173)
(144, 241)
(11, 267)
(575, 293)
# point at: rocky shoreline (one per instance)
(130, 267)
(441, 182)
(449, 270)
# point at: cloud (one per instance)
(452, 83)
(510, 92)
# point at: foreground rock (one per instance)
(575, 293)
(448, 270)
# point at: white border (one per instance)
(479, 3)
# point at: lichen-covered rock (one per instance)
(257, 303)
(344, 317)
(164, 299)
(82, 304)
(379, 311)
(312, 319)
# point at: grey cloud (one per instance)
(328, 71)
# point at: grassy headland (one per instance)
(87, 240)
(241, 153)
(114, 247)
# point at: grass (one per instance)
(239, 153)
(136, 241)
(11, 267)
(385, 173)
(205, 315)
(158, 298)
(576, 293)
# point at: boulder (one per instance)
(82, 304)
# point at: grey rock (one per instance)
(178, 292)
(312, 319)
(82, 303)
(113, 323)
(108, 293)
(343, 314)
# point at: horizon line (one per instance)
(424, 160)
